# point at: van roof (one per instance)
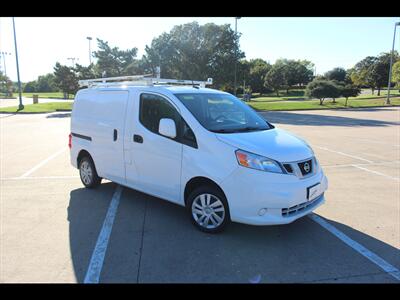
(171, 88)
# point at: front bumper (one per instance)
(284, 197)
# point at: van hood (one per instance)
(277, 144)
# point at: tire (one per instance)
(88, 173)
(208, 204)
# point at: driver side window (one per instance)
(153, 108)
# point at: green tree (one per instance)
(396, 74)
(339, 88)
(113, 61)
(30, 87)
(304, 72)
(338, 74)
(258, 70)
(296, 72)
(6, 85)
(379, 71)
(83, 72)
(373, 71)
(322, 89)
(276, 78)
(46, 83)
(191, 51)
(361, 75)
(299, 73)
(347, 79)
(65, 79)
(350, 90)
(243, 76)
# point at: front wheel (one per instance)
(88, 174)
(208, 209)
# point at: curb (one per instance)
(34, 113)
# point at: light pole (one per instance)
(391, 62)
(21, 106)
(4, 61)
(73, 60)
(90, 52)
(236, 18)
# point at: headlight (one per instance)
(258, 162)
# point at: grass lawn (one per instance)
(299, 105)
(299, 95)
(39, 108)
(55, 95)
(314, 104)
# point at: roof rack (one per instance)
(139, 80)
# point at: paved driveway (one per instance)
(51, 225)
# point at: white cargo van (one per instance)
(194, 146)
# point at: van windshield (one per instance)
(223, 113)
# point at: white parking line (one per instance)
(391, 270)
(372, 141)
(372, 164)
(377, 173)
(38, 178)
(96, 262)
(42, 163)
(344, 154)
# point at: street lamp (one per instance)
(21, 106)
(236, 18)
(391, 62)
(73, 60)
(90, 52)
(4, 61)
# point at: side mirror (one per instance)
(167, 128)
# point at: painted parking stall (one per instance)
(151, 240)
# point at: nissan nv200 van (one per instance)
(197, 147)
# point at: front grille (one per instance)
(288, 168)
(294, 210)
(306, 167)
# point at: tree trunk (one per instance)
(277, 93)
(65, 95)
(346, 101)
(321, 101)
(379, 91)
(333, 100)
(372, 90)
(287, 91)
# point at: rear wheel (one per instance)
(208, 209)
(87, 172)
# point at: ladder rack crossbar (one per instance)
(139, 80)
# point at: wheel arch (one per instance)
(82, 153)
(198, 181)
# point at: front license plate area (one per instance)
(313, 191)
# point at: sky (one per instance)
(327, 42)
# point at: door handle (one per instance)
(137, 138)
(115, 134)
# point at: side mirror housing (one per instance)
(167, 128)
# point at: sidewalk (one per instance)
(26, 101)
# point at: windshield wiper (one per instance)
(223, 130)
(245, 129)
(249, 128)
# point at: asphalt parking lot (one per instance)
(50, 224)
